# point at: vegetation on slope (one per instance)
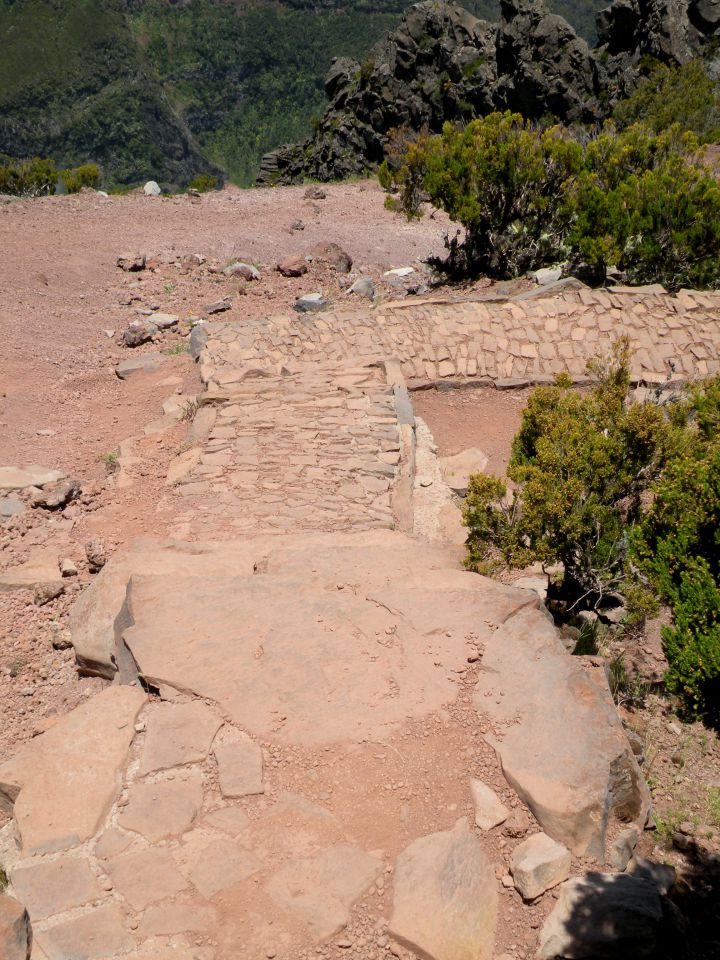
(625, 497)
(156, 89)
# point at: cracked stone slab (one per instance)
(17, 478)
(215, 863)
(314, 664)
(145, 876)
(98, 934)
(178, 733)
(61, 785)
(323, 890)
(163, 808)
(49, 888)
(240, 764)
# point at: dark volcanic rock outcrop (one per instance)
(442, 64)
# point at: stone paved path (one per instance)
(298, 711)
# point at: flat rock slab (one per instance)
(98, 934)
(558, 735)
(17, 478)
(143, 363)
(146, 876)
(213, 863)
(323, 889)
(49, 888)
(240, 763)
(178, 733)
(61, 785)
(41, 570)
(445, 897)
(306, 664)
(163, 808)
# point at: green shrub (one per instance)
(203, 182)
(581, 463)
(529, 196)
(28, 178)
(87, 175)
(668, 95)
(678, 548)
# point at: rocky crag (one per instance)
(442, 64)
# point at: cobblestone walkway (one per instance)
(299, 427)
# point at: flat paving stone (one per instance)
(49, 888)
(240, 764)
(163, 808)
(101, 933)
(146, 876)
(62, 784)
(178, 733)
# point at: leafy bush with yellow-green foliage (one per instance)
(88, 175)
(203, 182)
(626, 497)
(28, 178)
(529, 196)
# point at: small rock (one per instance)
(198, 339)
(364, 287)
(399, 272)
(18, 478)
(96, 555)
(333, 255)
(538, 864)
(68, 568)
(458, 469)
(45, 433)
(314, 193)
(164, 321)
(15, 937)
(152, 189)
(297, 225)
(145, 363)
(622, 849)
(489, 810)
(245, 270)
(139, 332)
(10, 507)
(517, 824)
(220, 307)
(45, 592)
(547, 275)
(61, 637)
(57, 496)
(292, 267)
(131, 262)
(311, 303)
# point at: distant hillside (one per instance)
(156, 88)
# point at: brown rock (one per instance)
(96, 555)
(240, 763)
(15, 934)
(489, 810)
(562, 747)
(333, 255)
(58, 495)
(445, 899)
(100, 933)
(146, 876)
(292, 267)
(163, 808)
(50, 888)
(46, 592)
(139, 332)
(178, 733)
(61, 785)
(538, 864)
(131, 262)
(314, 192)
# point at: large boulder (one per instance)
(445, 898)
(15, 936)
(554, 725)
(603, 915)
